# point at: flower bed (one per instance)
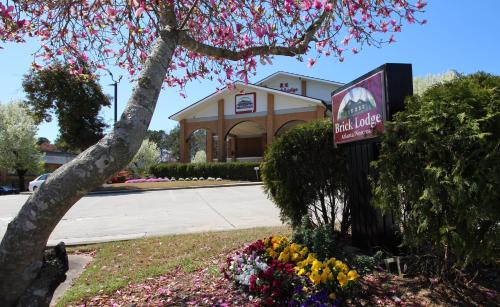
(281, 272)
(141, 180)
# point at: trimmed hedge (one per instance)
(230, 170)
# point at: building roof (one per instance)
(284, 73)
(257, 87)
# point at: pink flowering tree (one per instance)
(166, 43)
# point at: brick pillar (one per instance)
(184, 144)
(210, 148)
(320, 112)
(264, 143)
(232, 148)
(220, 131)
(303, 88)
(270, 118)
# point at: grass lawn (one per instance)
(161, 185)
(119, 264)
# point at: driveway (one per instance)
(110, 217)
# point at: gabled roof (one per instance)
(288, 74)
(250, 85)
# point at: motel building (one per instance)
(239, 123)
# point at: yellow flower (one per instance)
(295, 257)
(301, 272)
(331, 261)
(342, 279)
(316, 265)
(352, 275)
(304, 251)
(294, 247)
(315, 277)
(266, 241)
(310, 258)
(283, 257)
(326, 275)
(342, 267)
(272, 253)
(332, 296)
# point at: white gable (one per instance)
(207, 109)
(292, 83)
(284, 83)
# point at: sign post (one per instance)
(359, 110)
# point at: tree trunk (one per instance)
(52, 274)
(20, 177)
(21, 250)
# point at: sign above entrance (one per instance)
(245, 103)
(358, 109)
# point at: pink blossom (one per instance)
(139, 12)
(311, 62)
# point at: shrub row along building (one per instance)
(240, 122)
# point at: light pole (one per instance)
(115, 85)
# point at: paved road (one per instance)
(99, 218)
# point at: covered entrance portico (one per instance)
(241, 121)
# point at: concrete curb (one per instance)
(172, 188)
(96, 240)
(178, 188)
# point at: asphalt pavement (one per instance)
(122, 216)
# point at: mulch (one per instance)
(176, 288)
(203, 288)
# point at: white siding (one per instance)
(293, 83)
(282, 102)
(320, 90)
(209, 109)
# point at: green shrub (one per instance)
(321, 240)
(304, 174)
(365, 264)
(326, 243)
(232, 170)
(438, 172)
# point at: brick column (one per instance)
(232, 148)
(270, 118)
(210, 148)
(220, 131)
(263, 143)
(303, 88)
(320, 112)
(184, 145)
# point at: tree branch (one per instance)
(188, 42)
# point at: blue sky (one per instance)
(460, 34)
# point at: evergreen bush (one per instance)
(438, 172)
(304, 174)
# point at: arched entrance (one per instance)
(287, 126)
(200, 146)
(246, 141)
